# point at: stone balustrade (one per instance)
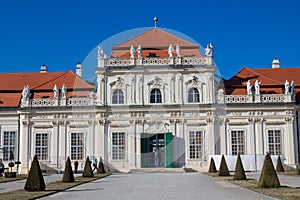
(112, 62)
(57, 102)
(261, 98)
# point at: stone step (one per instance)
(158, 170)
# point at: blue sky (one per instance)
(61, 33)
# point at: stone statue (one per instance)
(292, 87)
(100, 52)
(64, 91)
(139, 50)
(55, 91)
(132, 50)
(178, 50)
(209, 50)
(249, 87)
(25, 92)
(257, 87)
(170, 50)
(286, 87)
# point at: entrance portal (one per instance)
(156, 150)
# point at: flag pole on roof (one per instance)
(155, 21)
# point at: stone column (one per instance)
(172, 92)
(25, 144)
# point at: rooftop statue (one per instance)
(25, 92)
(292, 87)
(100, 52)
(64, 91)
(286, 87)
(209, 50)
(257, 87)
(170, 50)
(178, 50)
(249, 87)
(139, 50)
(132, 50)
(55, 91)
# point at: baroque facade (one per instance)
(158, 103)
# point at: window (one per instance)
(195, 144)
(274, 139)
(237, 142)
(193, 95)
(9, 142)
(118, 146)
(117, 97)
(41, 146)
(155, 96)
(76, 146)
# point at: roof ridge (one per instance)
(55, 78)
(253, 70)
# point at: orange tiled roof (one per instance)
(40, 85)
(155, 40)
(272, 80)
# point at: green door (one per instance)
(169, 150)
(144, 150)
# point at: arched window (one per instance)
(193, 95)
(155, 96)
(117, 97)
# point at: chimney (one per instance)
(275, 63)
(79, 69)
(43, 69)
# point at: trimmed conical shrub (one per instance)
(279, 166)
(268, 176)
(212, 166)
(101, 167)
(35, 179)
(223, 171)
(68, 176)
(239, 173)
(87, 171)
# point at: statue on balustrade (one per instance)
(64, 91)
(132, 50)
(170, 50)
(209, 50)
(55, 91)
(26, 92)
(139, 50)
(257, 87)
(249, 87)
(286, 87)
(178, 50)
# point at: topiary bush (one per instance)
(101, 169)
(268, 176)
(68, 176)
(239, 172)
(212, 166)
(35, 179)
(223, 171)
(279, 166)
(87, 171)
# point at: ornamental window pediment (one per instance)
(156, 83)
(194, 83)
(118, 84)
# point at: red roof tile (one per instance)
(155, 39)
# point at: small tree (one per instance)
(35, 179)
(268, 176)
(223, 171)
(101, 169)
(279, 166)
(239, 173)
(68, 173)
(212, 166)
(11, 164)
(87, 171)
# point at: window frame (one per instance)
(198, 148)
(273, 143)
(118, 150)
(155, 95)
(76, 154)
(119, 97)
(43, 148)
(193, 95)
(6, 153)
(238, 144)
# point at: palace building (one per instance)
(158, 103)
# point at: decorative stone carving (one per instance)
(156, 83)
(132, 50)
(286, 87)
(26, 92)
(257, 87)
(64, 91)
(209, 50)
(139, 50)
(118, 84)
(249, 87)
(55, 91)
(170, 50)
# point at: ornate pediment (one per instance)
(118, 84)
(194, 82)
(156, 83)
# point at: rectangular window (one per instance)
(76, 146)
(41, 146)
(195, 145)
(9, 143)
(237, 142)
(274, 139)
(118, 146)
